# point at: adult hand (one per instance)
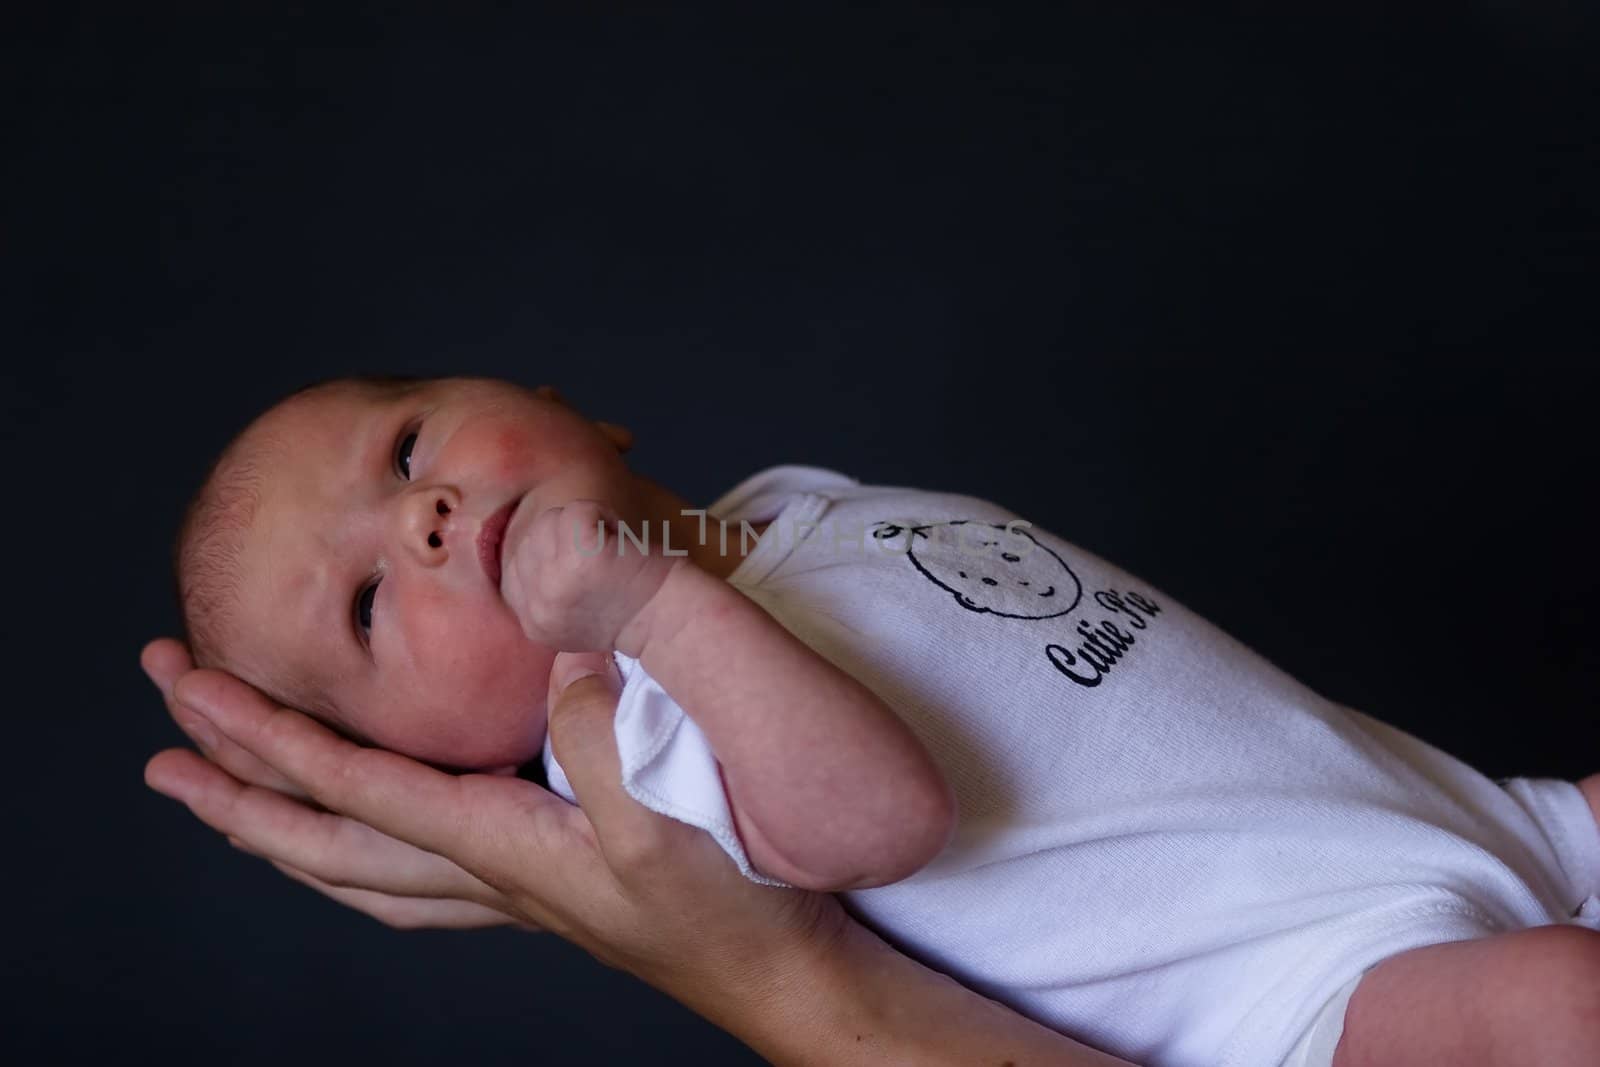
(413, 847)
(266, 814)
(783, 970)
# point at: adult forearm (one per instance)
(864, 1003)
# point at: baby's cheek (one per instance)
(480, 686)
(511, 454)
(499, 449)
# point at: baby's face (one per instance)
(370, 569)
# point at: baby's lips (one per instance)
(498, 535)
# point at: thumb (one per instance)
(569, 667)
(583, 703)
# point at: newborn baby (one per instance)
(1023, 766)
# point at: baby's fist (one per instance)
(573, 581)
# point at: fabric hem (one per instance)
(726, 838)
(1254, 1042)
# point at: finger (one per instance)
(336, 850)
(568, 667)
(165, 661)
(583, 708)
(404, 913)
(500, 829)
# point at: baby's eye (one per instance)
(402, 455)
(364, 607)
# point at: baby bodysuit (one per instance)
(1166, 847)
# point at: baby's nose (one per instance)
(425, 519)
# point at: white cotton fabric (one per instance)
(1316, 1047)
(1167, 848)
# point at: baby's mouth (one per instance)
(490, 536)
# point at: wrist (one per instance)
(687, 592)
(858, 1002)
(801, 1007)
(840, 1005)
(665, 611)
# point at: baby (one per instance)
(1023, 766)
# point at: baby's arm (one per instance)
(829, 789)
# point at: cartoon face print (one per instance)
(988, 567)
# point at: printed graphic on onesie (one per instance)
(1001, 569)
(988, 567)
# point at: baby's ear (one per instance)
(620, 436)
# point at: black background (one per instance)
(1290, 315)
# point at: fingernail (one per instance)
(202, 732)
(177, 790)
(569, 669)
(172, 793)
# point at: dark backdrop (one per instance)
(1292, 316)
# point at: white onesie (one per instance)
(1166, 848)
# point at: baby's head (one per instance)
(343, 557)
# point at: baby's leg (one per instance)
(1529, 997)
(1590, 788)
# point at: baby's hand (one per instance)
(570, 589)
